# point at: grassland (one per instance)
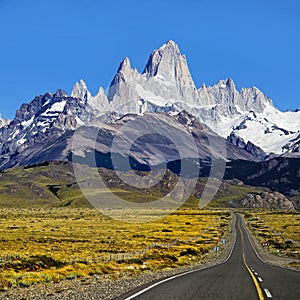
(53, 185)
(279, 231)
(52, 244)
(35, 186)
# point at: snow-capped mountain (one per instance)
(41, 121)
(273, 131)
(251, 116)
(167, 84)
(247, 119)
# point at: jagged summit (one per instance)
(166, 80)
(60, 94)
(119, 85)
(125, 72)
(80, 91)
(167, 62)
(168, 52)
(227, 83)
(170, 44)
(125, 65)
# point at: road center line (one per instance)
(257, 286)
(268, 293)
(258, 289)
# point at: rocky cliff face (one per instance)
(165, 80)
(227, 101)
(167, 67)
(249, 147)
(267, 200)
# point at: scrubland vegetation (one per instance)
(52, 244)
(277, 231)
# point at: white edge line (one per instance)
(183, 274)
(269, 295)
(260, 258)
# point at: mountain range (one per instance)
(253, 128)
(166, 83)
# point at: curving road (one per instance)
(242, 276)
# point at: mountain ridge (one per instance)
(247, 119)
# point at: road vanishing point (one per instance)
(243, 275)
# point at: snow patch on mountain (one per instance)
(27, 123)
(3, 122)
(55, 109)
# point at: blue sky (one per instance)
(46, 45)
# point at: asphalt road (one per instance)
(242, 276)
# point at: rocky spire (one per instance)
(168, 62)
(164, 60)
(169, 66)
(125, 65)
(254, 99)
(123, 73)
(81, 91)
(119, 86)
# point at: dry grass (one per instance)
(51, 244)
(280, 230)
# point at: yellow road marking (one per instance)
(257, 286)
